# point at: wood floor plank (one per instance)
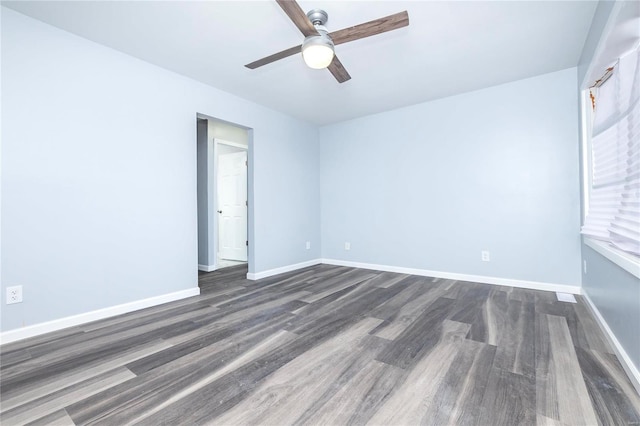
(420, 337)
(121, 406)
(409, 402)
(585, 333)
(560, 388)
(515, 349)
(8, 348)
(458, 400)
(56, 401)
(411, 288)
(387, 279)
(495, 315)
(357, 401)
(405, 315)
(346, 307)
(223, 336)
(149, 314)
(509, 399)
(287, 393)
(346, 282)
(265, 346)
(84, 355)
(14, 357)
(59, 418)
(348, 384)
(590, 330)
(159, 383)
(546, 421)
(46, 353)
(344, 405)
(469, 308)
(45, 384)
(607, 388)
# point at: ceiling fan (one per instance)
(318, 46)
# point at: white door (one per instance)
(232, 206)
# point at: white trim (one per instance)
(212, 201)
(59, 324)
(206, 268)
(620, 258)
(230, 143)
(282, 269)
(623, 357)
(587, 173)
(533, 285)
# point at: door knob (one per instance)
(220, 211)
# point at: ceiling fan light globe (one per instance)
(317, 51)
(318, 56)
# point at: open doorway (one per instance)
(222, 181)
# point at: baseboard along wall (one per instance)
(282, 269)
(532, 285)
(86, 317)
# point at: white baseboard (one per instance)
(533, 285)
(282, 269)
(59, 324)
(623, 357)
(206, 268)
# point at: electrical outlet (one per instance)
(584, 266)
(486, 257)
(14, 294)
(347, 246)
(308, 245)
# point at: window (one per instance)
(613, 209)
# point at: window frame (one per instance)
(626, 261)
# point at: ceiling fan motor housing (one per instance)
(318, 16)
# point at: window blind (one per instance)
(614, 204)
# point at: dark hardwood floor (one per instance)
(326, 345)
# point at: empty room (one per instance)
(320, 212)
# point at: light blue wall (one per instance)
(99, 176)
(431, 185)
(614, 291)
(291, 171)
(616, 294)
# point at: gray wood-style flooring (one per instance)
(326, 345)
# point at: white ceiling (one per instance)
(449, 47)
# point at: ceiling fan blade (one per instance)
(275, 57)
(338, 70)
(377, 26)
(297, 15)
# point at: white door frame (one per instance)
(213, 193)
